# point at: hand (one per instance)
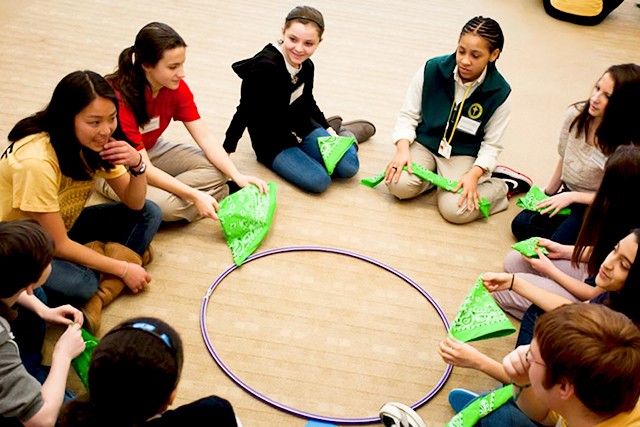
(331, 131)
(63, 315)
(244, 180)
(401, 159)
(206, 205)
(555, 203)
(516, 365)
(70, 344)
(542, 263)
(556, 250)
(497, 281)
(137, 279)
(458, 353)
(469, 185)
(120, 153)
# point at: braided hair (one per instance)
(486, 28)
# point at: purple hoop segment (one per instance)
(286, 408)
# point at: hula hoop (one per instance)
(278, 405)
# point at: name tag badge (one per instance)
(444, 149)
(296, 94)
(598, 158)
(467, 125)
(154, 124)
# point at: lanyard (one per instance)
(455, 125)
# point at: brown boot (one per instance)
(362, 130)
(335, 122)
(92, 309)
(110, 286)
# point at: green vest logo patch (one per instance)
(475, 111)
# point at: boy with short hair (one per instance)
(26, 251)
(582, 368)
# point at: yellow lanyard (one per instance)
(455, 125)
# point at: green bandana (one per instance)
(481, 407)
(333, 148)
(480, 317)
(431, 177)
(528, 247)
(533, 197)
(81, 363)
(245, 218)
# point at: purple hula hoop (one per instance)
(297, 412)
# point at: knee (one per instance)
(407, 187)
(451, 212)
(152, 213)
(513, 262)
(347, 169)
(318, 185)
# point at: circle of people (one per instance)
(66, 261)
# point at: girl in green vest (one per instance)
(452, 121)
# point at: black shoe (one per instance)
(516, 182)
(233, 186)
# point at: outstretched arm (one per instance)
(541, 297)
(218, 157)
(458, 353)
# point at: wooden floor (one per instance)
(321, 332)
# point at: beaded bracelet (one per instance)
(519, 392)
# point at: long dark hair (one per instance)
(74, 92)
(129, 78)
(621, 74)
(614, 210)
(619, 122)
(626, 300)
(133, 371)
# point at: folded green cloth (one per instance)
(480, 317)
(374, 180)
(431, 177)
(81, 363)
(332, 148)
(245, 217)
(533, 197)
(481, 407)
(528, 247)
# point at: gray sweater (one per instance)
(20, 395)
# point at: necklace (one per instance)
(294, 79)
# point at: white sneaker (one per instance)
(395, 414)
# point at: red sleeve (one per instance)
(185, 106)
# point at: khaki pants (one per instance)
(410, 186)
(188, 164)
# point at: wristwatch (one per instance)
(140, 171)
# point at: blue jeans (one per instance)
(303, 165)
(528, 324)
(507, 415)
(71, 283)
(559, 228)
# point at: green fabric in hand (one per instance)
(431, 177)
(245, 217)
(530, 200)
(480, 317)
(528, 247)
(81, 363)
(481, 407)
(332, 148)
